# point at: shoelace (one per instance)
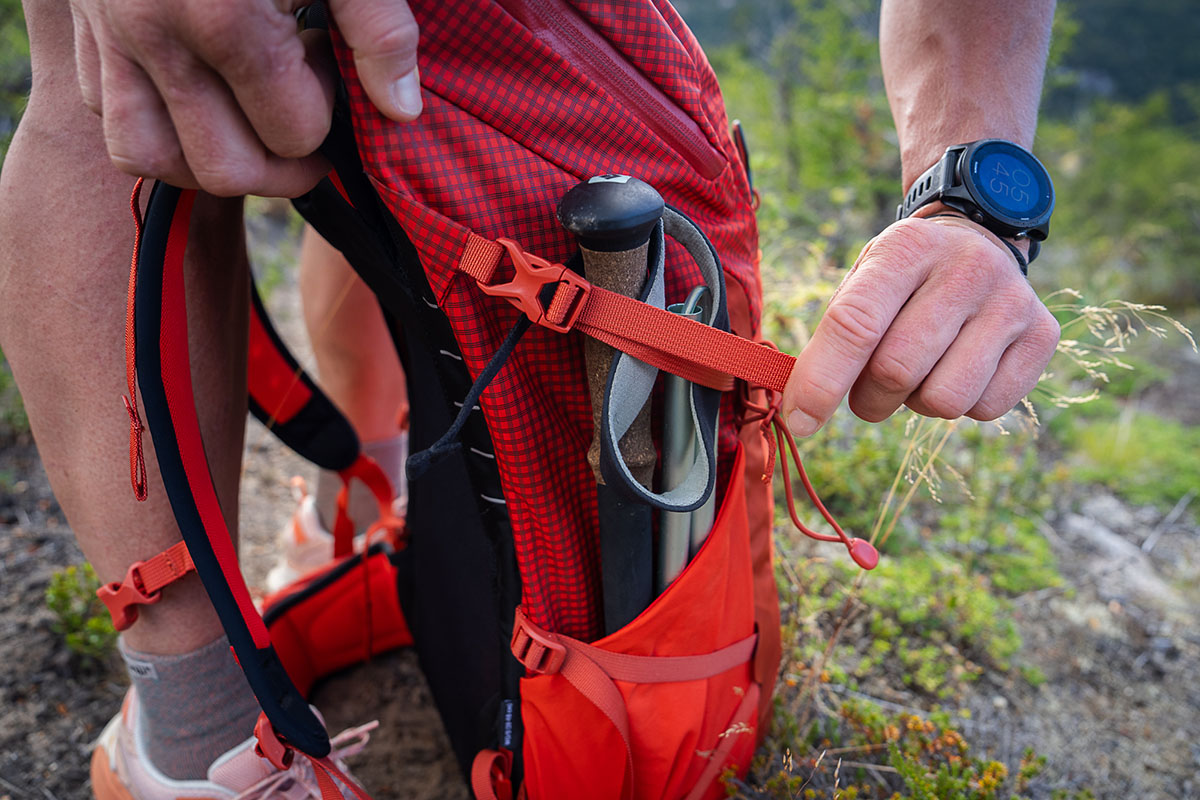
(300, 774)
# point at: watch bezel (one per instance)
(1034, 225)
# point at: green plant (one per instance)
(858, 750)
(82, 619)
(12, 410)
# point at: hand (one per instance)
(224, 95)
(935, 315)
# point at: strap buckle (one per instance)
(269, 745)
(538, 650)
(122, 599)
(532, 276)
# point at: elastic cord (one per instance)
(1022, 262)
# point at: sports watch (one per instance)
(998, 184)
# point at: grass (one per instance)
(1139, 456)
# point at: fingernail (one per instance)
(406, 94)
(802, 424)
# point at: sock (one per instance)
(192, 707)
(390, 454)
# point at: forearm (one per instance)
(961, 70)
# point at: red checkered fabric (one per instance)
(522, 101)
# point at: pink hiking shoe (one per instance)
(121, 771)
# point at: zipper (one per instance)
(562, 28)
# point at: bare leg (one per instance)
(358, 368)
(355, 357)
(65, 243)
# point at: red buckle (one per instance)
(532, 275)
(538, 650)
(122, 599)
(268, 745)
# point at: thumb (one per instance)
(383, 36)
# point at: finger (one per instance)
(138, 131)
(383, 36)
(887, 273)
(221, 147)
(283, 85)
(87, 60)
(921, 334)
(961, 375)
(1019, 370)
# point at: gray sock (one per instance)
(193, 707)
(390, 455)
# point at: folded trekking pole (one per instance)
(613, 216)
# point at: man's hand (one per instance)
(224, 95)
(935, 315)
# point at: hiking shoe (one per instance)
(304, 543)
(121, 771)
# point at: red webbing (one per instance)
(165, 568)
(696, 352)
(491, 773)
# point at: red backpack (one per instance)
(556, 671)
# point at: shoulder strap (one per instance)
(164, 374)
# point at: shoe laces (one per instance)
(300, 775)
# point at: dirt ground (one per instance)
(1119, 645)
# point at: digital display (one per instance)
(1007, 182)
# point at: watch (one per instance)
(995, 183)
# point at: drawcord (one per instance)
(767, 415)
(420, 463)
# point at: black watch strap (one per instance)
(932, 184)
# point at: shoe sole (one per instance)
(106, 784)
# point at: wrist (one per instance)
(1018, 249)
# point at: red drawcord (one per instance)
(767, 415)
(137, 459)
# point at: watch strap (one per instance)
(932, 184)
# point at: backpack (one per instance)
(510, 567)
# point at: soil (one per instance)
(1118, 644)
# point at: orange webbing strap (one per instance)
(491, 775)
(372, 475)
(697, 352)
(592, 671)
(274, 749)
(144, 583)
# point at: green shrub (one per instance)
(82, 619)
(860, 751)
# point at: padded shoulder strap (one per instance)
(164, 373)
(286, 400)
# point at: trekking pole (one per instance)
(679, 448)
(613, 216)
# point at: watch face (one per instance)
(1010, 181)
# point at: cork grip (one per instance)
(623, 272)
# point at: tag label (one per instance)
(141, 669)
(507, 709)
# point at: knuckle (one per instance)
(946, 400)
(892, 373)
(855, 322)
(392, 39)
(226, 180)
(994, 405)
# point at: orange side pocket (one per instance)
(663, 706)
